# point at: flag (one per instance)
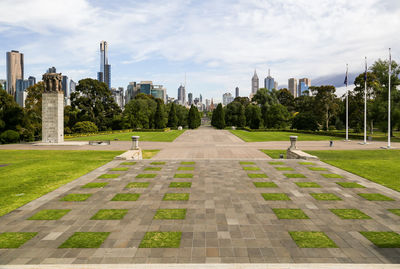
(366, 69)
(345, 79)
(390, 62)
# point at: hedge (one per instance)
(117, 132)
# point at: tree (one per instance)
(305, 121)
(245, 101)
(286, 98)
(193, 117)
(326, 103)
(95, 103)
(277, 117)
(33, 108)
(159, 120)
(242, 117)
(85, 127)
(219, 120)
(264, 96)
(253, 116)
(232, 113)
(139, 113)
(172, 118)
(11, 114)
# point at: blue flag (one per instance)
(345, 79)
(366, 69)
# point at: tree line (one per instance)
(320, 108)
(92, 109)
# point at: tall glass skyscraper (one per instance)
(105, 69)
(269, 82)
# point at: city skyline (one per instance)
(164, 50)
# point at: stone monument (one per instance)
(52, 109)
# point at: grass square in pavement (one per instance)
(176, 197)
(305, 239)
(288, 213)
(138, 185)
(128, 163)
(317, 168)
(265, 185)
(170, 214)
(325, 196)
(257, 175)
(126, 197)
(183, 175)
(110, 214)
(15, 240)
(161, 240)
(395, 211)
(294, 175)
(76, 197)
(188, 163)
(285, 168)
(119, 169)
(275, 196)
(50, 214)
(95, 185)
(247, 163)
(149, 153)
(276, 163)
(157, 163)
(375, 197)
(383, 239)
(349, 185)
(106, 176)
(180, 185)
(274, 154)
(350, 214)
(251, 168)
(307, 185)
(306, 163)
(153, 169)
(146, 176)
(185, 168)
(85, 240)
(331, 176)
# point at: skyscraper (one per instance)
(306, 81)
(182, 95)
(190, 98)
(15, 70)
(237, 92)
(52, 70)
(269, 82)
(201, 99)
(292, 86)
(227, 98)
(105, 69)
(254, 83)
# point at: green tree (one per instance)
(139, 112)
(253, 116)
(85, 127)
(232, 113)
(286, 98)
(172, 118)
(159, 119)
(193, 117)
(277, 117)
(326, 103)
(242, 117)
(219, 120)
(305, 121)
(264, 96)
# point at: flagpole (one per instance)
(390, 71)
(347, 105)
(365, 103)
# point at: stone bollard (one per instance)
(135, 142)
(293, 140)
(180, 128)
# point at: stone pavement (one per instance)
(227, 219)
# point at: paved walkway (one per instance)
(227, 218)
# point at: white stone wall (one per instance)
(53, 117)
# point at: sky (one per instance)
(217, 44)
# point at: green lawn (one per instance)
(380, 166)
(278, 136)
(33, 173)
(144, 136)
(275, 153)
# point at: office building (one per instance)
(276, 85)
(254, 83)
(303, 88)
(52, 70)
(131, 91)
(15, 70)
(182, 95)
(146, 87)
(236, 92)
(190, 98)
(105, 69)
(201, 99)
(227, 98)
(269, 82)
(306, 81)
(292, 86)
(21, 86)
(118, 95)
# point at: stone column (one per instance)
(135, 142)
(293, 140)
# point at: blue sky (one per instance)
(218, 44)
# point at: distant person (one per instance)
(331, 143)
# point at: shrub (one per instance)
(305, 121)
(85, 127)
(9, 136)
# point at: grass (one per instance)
(317, 169)
(157, 163)
(288, 213)
(50, 214)
(146, 176)
(331, 176)
(251, 168)
(375, 197)
(176, 197)
(170, 214)
(275, 196)
(349, 185)
(128, 163)
(76, 197)
(126, 197)
(286, 168)
(185, 168)
(350, 214)
(15, 240)
(138, 185)
(325, 196)
(110, 214)
(37, 172)
(307, 185)
(305, 239)
(276, 163)
(265, 185)
(119, 169)
(294, 175)
(274, 153)
(380, 166)
(395, 211)
(85, 240)
(306, 163)
(247, 163)
(180, 185)
(188, 163)
(153, 169)
(183, 176)
(95, 185)
(149, 153)
(106, 176)
(278, 136)
(161, 240)
(257, 175)
(144, 136)
(383, 239)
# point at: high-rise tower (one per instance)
(292, 87)
(254, 83)
(269, 82)
(15, 70)
(105, 69)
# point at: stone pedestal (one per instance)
(53, 117)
